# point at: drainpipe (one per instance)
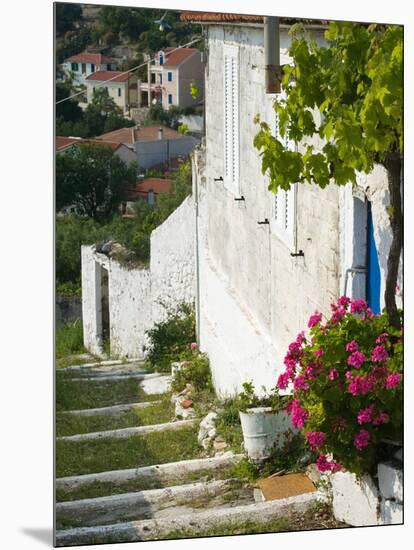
(273, 71)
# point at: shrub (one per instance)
(168, 339)
(347, 393)
(195, 371)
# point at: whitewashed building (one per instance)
(81, 65)
(266, 262)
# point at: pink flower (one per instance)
(315, 439)
(194, 345)
(381, 338)
(365, 415)
(310, 371)
(298, 415)
(379, 372)
(393, 381)
(349, 375)
(344, 301)
(356, 359)
(357, 306)
(338, 315)
(314, 319)
(325, 465)
(382, 418)
(360, 385)
(283, 381)
(333, 373)
(352, 346)
(379, 354)
(318, 352)
(361, 439)
(300, 384)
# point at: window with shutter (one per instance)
(231, 118)
(284, 204)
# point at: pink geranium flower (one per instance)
(393, 381)
(356, 359)
(314, 319)
(352, 346)
(361, 439)
(357, 306)
(333, 373)
(315, 439)
(379, 354)
(365, 415)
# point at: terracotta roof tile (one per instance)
(143, 187)
(143, 133)
(87, 57)
(177, 56)
(63, 143)
(212, 17)
(101, 76)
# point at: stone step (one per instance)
(123, 433)
(114, 410)
(132, 531)
(140, 375)
(165, 472)
(114, 363)
(147, 504)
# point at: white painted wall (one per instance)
(136, 295)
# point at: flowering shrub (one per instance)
(347, 385)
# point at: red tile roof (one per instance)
(142, 133)
(177, 56)
(63, 143)
(102, 76)
(143, 187)
(87, 57)
(216, 17)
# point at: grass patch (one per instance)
(90, 394)
(228, 423)
(85, 457)
(69, 339)
(154, 414)
(105, 488)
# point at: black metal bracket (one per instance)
(241, 198)
(296, 254)
(264, 222)
(219, 179)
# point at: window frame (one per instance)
(170, 97)
(169, 76)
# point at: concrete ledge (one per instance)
(153, 529)
(111, 411)
(355, 502)
(127, 432)
(91, 376)
(171, 470)
(98, 364)
(138, 505)
(390, 480)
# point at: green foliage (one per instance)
(356, 86)
(68, 289)
(168, 339)
(227, 423)
(66, 16)
(167, 117)
(348, 383)
(69, 339)
(183, 129)
(194, 90)
(73, 42)
(195, 371)
(248, 399)
(180, 189)
(68, 110)
(92, 178)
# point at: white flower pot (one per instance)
(264, 430)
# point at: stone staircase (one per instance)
(194, 494)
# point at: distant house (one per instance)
(147, 190)
(83, 64)
(64, 143)
(153, 145)
(122, 87)
(170, 76)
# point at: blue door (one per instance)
(373, 269)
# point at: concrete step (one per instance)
(110, 364)
(139, 375)
(152, 503)
(123, 433)
(114, 410)
(151, 529)
(165, 472)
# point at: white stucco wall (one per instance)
(138, 298)
(172, 261)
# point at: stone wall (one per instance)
(138, 298)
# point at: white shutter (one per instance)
(231, 117)
(284, 206)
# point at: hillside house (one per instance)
(169, 78)
(147, 190)
(153, 145)
(266, 262)
(83, 64)
(121, 87)
(65, 143)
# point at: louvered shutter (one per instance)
(284, 201)
(231, 117)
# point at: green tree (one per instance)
(92, 178)
(66, 16)
(356, 85)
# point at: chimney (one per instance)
(160, 133)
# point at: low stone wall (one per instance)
(364, 502)
(68, 309)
